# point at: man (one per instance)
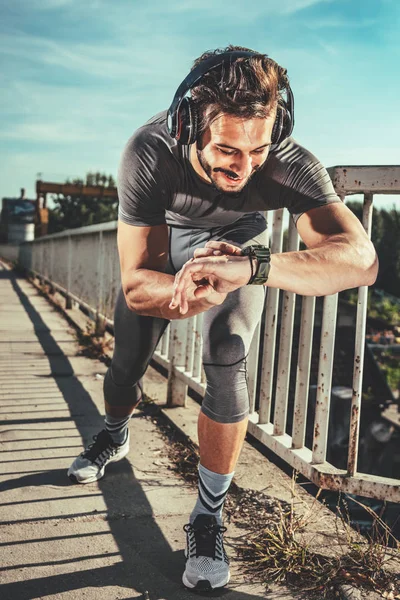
(192, 187)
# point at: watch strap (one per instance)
(263, 256)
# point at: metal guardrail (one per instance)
(66, 260)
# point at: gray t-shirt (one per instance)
(157, 183)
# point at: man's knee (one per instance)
(121, 395)
(227, 398)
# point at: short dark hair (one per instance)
(247, 87)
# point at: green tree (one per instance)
(79, 210)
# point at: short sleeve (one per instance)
(304, 181)
(143, 189)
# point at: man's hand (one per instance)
(199, 289)
(219, 268)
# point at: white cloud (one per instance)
(56, 132)
(340, 23)
(41, 5)
(105, 61)
(229, 8)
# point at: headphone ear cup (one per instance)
(278, 126)
(288, 124)
(282, 126)
(195, 123)
(186, 130)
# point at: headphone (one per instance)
(182, 116)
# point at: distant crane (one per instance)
(67, 189)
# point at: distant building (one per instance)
(17, 219)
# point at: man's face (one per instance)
(232, 149)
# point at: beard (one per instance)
(210, 172)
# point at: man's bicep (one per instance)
(142, 248)
(318, 224)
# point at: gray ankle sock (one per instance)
(213, 488)
(117, 427)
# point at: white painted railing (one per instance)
(83, 264)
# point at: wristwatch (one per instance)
(263, 256)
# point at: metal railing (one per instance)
(66, 260)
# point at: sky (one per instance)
(78, 77)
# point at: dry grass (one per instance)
(279, 551)
(93, 345)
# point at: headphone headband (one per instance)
(182, 114)
(195, 75)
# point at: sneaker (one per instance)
(207, 565)
(90, 465)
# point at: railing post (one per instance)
(100, 321)
(285, 347)
(198, 347)
(252, 367)
(303, 371)
(190, 341)
(50, 273)
(177, 388)
(68, 303)
(324, 384)
(359, 353)
(271, 318)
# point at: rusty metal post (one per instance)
(285, 346)
(68, 302)
(198, 347)
(303, 371)
(177, 388)
(324, 384)
(165, 342)
(39, 258)
(252, 367)
(191, 333)
(50, 271)
(100, 321)
(271, 317)
(359, 348)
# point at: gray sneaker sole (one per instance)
(203, 584)
(75, 479)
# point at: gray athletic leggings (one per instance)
(227, 330)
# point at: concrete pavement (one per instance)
(116, 538)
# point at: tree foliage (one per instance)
(386, 239)
(79, 210)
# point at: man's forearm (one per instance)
(149, 293)
(325, 270)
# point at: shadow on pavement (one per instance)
(148, 563)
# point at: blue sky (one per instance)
(79, 76)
